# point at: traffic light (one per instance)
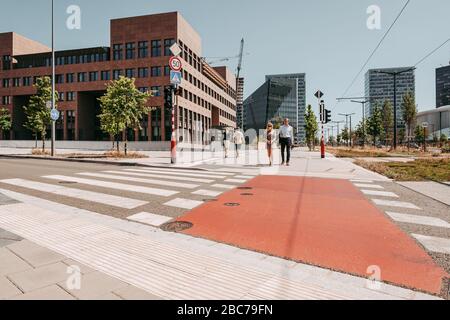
(168, 99)
(327, 116)
(179, 91)
(322, 111)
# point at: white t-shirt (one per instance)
(238, 137)
(286, 132)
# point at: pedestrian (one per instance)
(269, 142)
(226, 143)
(286, 138)
(238, 140)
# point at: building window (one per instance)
(167, 71)
(6, 83)
(70, 78)
(143, 49)
(129, 73)
(156, 91)
(156, 71)
(156, 124)
(93, 76)
(143, 89)
(118, 52)
(117, 74)
(59, 78)
(16, 82)
(26, 81)
(167, 44)
(156, 48)
(82, 77)
(130, 50)
(70, 96)
(6, 100)
(60, 96)
(7, 62)
(106, 75)
(143, 72)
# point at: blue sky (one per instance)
(326, 39)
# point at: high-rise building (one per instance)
(281, 96)
(140, 49)
(240, 102)
(379, 87)
(443, 86)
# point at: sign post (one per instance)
(319, 94)
(175, 80)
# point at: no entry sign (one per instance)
(175, 64)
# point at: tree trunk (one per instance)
(43, 144)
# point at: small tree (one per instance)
(443, 139)
(311, 128)
(345, 135)
(122, 108)
(37, 114)
(419, 134)
(409, 109)
(388, 120)
(5, 121)
(277, 122)
(375, 124)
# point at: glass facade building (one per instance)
(443, 86)
(281, 96)
(380, 87)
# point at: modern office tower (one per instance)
(240, 103)
(443, 86)
(140, 49)
(281, 96)
(379, 87)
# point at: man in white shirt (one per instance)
(238, 140)
(286, 138)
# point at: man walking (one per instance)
(286, 138)
(238, 140)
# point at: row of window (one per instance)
(128, 51)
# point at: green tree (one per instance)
(5, 120)
(388, 120)
(37, 113)
(402, 136)
(345, 135)
(361, 131)
(375, 124)
(419, 134)
(277, 122)
(122, 108)
(409, 110)
(311, 128)
(443, 139)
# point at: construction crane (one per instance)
(240, 56)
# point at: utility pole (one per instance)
(347, 116)
(395, 74)
(337, 123)
(53, 81)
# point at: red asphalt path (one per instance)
(323, 222)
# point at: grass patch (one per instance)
(39, 152)
(122, 155)
(418, 170)
(358, 153)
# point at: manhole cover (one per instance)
(232, 204)
(245, 188)
(176, 226)
(247, 194)
(67, 182)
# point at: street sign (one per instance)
(175, 64)
(425, 125)
(54, 114)
(319, 94)
(175, 78)
(175, 49)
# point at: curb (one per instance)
(120, 164)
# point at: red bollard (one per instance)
(322, 149)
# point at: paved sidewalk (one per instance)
(434, 190)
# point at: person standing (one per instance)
(269, 142)
(226, 143)
(238, 140)
(286, 138)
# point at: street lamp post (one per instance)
(53, 81)
(347, 116)
(395, 74)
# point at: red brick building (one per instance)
(139, 49)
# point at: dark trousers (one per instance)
(286, 144)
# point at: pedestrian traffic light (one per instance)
(322, 111)
(168, 100)
(327, 116)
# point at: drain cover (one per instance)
(245, 188)
(247, 194)
(176, 226)
(232, 204)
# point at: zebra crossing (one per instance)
(146, 195)
(412, 217)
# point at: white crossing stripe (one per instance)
(236, 181)
(397, 204)
(380, 193)
(162, 176)
(178, 174)
(116, 186)
(434, 244)
(368, 186)
(421, 220)
(244, 177)
(154, 220)
(207, 193)
(102, 198)
(223, 186)
(183, 203)
(140, 180)
(211, 173)
(362, 181)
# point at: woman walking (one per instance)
(270, 140)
